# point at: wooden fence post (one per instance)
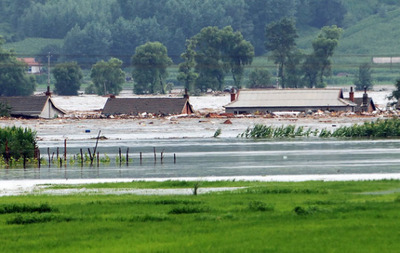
(65, 149)
(127, 157)
(120, 157)
(81, 158)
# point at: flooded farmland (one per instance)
(218, 157)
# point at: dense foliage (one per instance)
(150, 64)
(212, 54)
(13, 79)
(375, 129)
(108, 77)
(68, 77)
(16, 142)
(119, 26)
(364, 78)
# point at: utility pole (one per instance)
(48, 93)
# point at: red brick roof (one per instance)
(30, 61)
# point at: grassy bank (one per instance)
(264, 217)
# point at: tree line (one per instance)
(97, 30)
(208, 58)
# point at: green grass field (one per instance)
(263, 217)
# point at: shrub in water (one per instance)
(20, 142)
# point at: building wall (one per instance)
(50, 112)
(34, 69)
(285, 109)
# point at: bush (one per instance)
(260, 206)
(16, 142)
(31, 219)
(13, 208)
(187, 210)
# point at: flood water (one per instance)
(208, 157)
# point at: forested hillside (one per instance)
(87, 31)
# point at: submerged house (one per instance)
(364, 103)
(32, 107)
(297, 100)
(156, 106)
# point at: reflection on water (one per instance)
(222, 157)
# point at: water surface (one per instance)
(220, 157)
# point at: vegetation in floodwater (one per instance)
(217, 133)
(338, 216)
(17, 142)
(290, 131)
(376, 129)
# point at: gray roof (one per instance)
(134, 106)
(27, 106)
(289, 98)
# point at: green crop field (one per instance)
(262, 217)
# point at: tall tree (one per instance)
(259, 78)
(323, 49)
(263, 12)
(150, 64)
(187, 75)
(13, 78)
(364, 77)
(310, 69)
(396, 92)
(108, 77)
(216, 52)
(281, 42)
(89, 45)
(68, 77)
(293, 70)
(323, 15)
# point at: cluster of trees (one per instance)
(210, 56)
(224, 36)
(97, 30)
(17, 142)
(13, 79)
(297, 69)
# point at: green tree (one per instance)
(213, 53)
(187, 75)
(364, 77)
(19, 142)
(129, 34)
(150, 63)
(293, 70)
(5, 110)
(13, 78)
(259, 78)
(263, 12)
(87, 46)
(108, 77)
(310, 69)
(322, 14)
(53, 49)
(396, 92)
(323, 49)
(281, 42)
(68, 77)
